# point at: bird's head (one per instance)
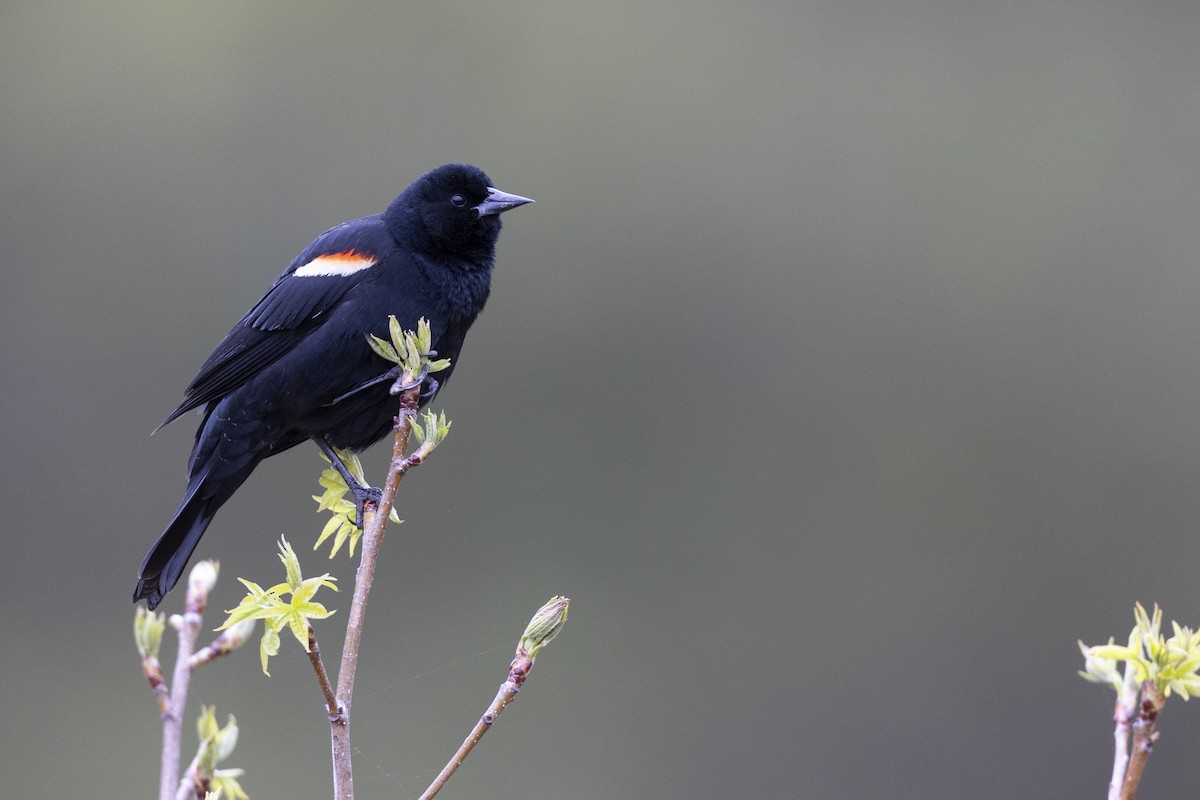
(452, 209)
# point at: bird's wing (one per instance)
(312, 285)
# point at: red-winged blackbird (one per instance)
(298, 366)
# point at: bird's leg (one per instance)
(362, 494)
(395, 374)
(390, 375)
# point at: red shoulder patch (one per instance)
(347, 263)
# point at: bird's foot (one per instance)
(362, 496)
(401, 386)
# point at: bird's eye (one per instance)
(458, 201)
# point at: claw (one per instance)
(399, 387)
(362, 496)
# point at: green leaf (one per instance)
(396, 332)
(341, 525)
(206, 724)
(332, 526)
(1112, 652)
(226, 740)
(383, 349)
(269, 605)
(291, 563)
(269, 646)
(299, 628)
(424, 336)
(225, 783)
(412, 356)
(258, 603)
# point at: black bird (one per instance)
(298, 365)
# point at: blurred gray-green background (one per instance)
(845, 374)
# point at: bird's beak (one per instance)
(498, 201)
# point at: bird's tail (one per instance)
(217, 467)
(165, 562)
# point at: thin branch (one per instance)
(192, 784)
(314, 655)
(152, 669)
(1122, 716)
(508, 691)
(1144, 737)
(545, 625)
(188, 626)
(375, 525)
(229, 640)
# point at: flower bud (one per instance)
(545, 625)
(203, 577)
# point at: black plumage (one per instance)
(275, 380)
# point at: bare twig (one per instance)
(193, 784)
(508, 691)
(152, 669)
(200, 582)
(544, 626)
(1144, 737)
(1122, 718)
(229, 640)
(314, 655)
